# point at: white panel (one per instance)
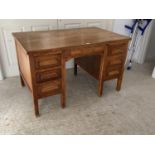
(1, 74)
(7, 45)
(40, 28)
(72, 25)
(94, 24)
(10, 45)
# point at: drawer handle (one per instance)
(47, 76)
(116, 62)
(113, 73)
(117, 51)
(75, 53)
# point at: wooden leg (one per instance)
(100, 88)
(119, 83)
(63, 100)
(101, 74)
(36, 106)
(75, 69)
(63, 84)
(22, 81)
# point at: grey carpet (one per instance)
(130, 111)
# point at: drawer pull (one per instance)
(116, 62)
(111, 73)
(117, 49)
(48, 75)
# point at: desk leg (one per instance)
(101, 74)
(119, 83)
(36, 106)
(22, 81)
(63, 84)
(119, 80)
(75, 68)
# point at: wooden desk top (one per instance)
(58, 39)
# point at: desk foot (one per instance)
(22, 81)
(36, 107)
(100, 88)
(75, 69)
(119, 83)
(63, 104)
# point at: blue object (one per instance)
(131, 28)
(141, 28)
(145, 26)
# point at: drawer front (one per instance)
(115, 61)
(48, 88)
(113, 72)
(117, 49)
(84, 51)
(47, 61)
(114, 66)
(48, 75)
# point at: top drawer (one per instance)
(47, 61)
(117, 49)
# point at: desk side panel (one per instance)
(24, 64)
(90, 64)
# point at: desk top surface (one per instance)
(58, 39)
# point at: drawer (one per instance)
(113, 72)
(48, 75)
(47, 61)
(115, 61)
(117, 49)
(48, 88)
(84, 51)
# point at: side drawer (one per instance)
(117, 49)
(112, 72)
(48, 75)
(115, 61)
(47, 61)
(49, 88)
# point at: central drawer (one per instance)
(84, 51)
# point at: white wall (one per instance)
(1, 75)
(119, 26)
(150, 53)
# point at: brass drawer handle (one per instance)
(113, 73)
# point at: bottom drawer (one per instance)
(113, 72)
(49, 88)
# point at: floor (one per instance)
(130, 111)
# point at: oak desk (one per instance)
(42, 56)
